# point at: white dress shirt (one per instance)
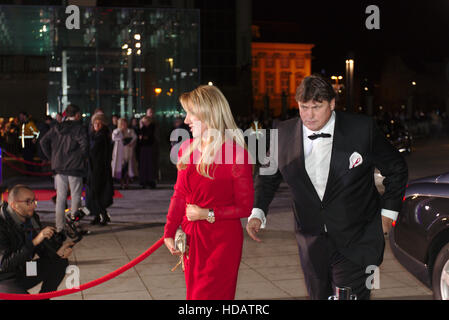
(317, 157)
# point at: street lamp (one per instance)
(336, 78)
(349, 84)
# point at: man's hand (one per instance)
(170, 244)
(253, 227)
(387, 224)
(194, 213)
(45, 233)
(66, 250)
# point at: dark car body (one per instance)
(422, 228)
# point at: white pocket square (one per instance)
(355, 160)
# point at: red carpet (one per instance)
(47, 194)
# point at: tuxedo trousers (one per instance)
(325, 268)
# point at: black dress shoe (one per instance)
(104, 219)
(96, 220)
(108, 216)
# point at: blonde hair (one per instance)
(122, 120)
(210, 106)
(101, 117)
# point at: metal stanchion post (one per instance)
(343, 293)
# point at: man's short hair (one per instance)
(14, 192)
(314, 88)
(72, 110)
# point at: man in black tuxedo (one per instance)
(328, 159)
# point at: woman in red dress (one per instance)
(213, 191)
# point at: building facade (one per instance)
(277, 70)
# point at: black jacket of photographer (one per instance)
(16, 248)
(67, 145)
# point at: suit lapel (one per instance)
(301, 162)
(339, 164)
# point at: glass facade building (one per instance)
(122, 60)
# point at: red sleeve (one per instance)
(177, 208)
(242, 182)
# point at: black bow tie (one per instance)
(320, 135)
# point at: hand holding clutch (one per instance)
(179, 247)
(170, 244)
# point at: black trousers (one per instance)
(325, 268)
(28, 155)
(49, 271)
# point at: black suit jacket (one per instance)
(351, 204)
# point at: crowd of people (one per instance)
(134, 143)
(85, 154)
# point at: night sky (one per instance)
(418, 31)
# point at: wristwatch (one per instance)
(211, 216)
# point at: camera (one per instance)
(72, 220)
(72, 230)
(54, 243)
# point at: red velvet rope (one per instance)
(26, 172)
(25, 161)
(48, 295)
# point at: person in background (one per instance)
(43, 127)
(134, 124)
(59, 117)
(148, 154)
(99, 184)
(28, 138)
(123, 155)
(67, 147)
(149, 113)
(114, 122)
(12, 136)
(178, 123)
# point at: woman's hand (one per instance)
(170, 244)
(194, 213)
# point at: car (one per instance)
(419, 238)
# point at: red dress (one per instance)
(215, 249)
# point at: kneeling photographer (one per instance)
(21, 238)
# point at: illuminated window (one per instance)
(285, 61)
(269, 76)
(285, 82)
(256, 82)
(255, 62)
(255, 86)
(269, 61)
(299, 62)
